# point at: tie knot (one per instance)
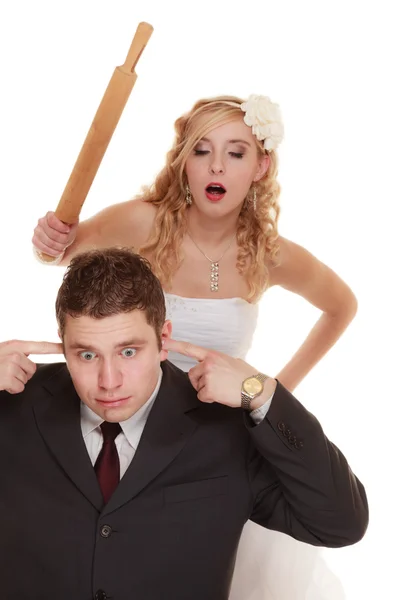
(110, 430)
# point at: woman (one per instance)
(208, 225)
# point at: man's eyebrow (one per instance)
(79, 346)
(238, 141)
(131, 342)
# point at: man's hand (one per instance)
(218, 377)
(15, 367)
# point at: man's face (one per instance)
(114, 362)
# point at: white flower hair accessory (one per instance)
(264, 118)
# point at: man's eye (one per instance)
(87, 355)
(129, 352)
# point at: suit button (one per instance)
(100, 595)
(281, 426)
(105, 531)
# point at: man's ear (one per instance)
(165, 335)
(262, 167)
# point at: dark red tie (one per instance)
(107, 463)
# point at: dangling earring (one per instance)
(188, 197)
(255, 198)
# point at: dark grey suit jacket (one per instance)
(171, 530)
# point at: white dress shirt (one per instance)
(128, 440)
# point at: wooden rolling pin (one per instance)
(100, 132)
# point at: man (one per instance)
(195, 458)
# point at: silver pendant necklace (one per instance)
(214, 273)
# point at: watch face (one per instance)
(252, 386)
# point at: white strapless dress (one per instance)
(269, 565)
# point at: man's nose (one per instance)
(110, 376)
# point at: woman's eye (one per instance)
(200, 152)
(129, 352)
(236, 154)
(87, 355)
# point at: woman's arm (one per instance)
(303, 274)
(124, 224)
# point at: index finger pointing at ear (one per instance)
(186, 348)
(29, 347)
(43, 348)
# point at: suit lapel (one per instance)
(58, 421)
(168, 428)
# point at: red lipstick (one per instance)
(215, 191)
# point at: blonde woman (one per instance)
(208, 225)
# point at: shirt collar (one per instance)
(132, 427)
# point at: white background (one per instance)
(333, 68)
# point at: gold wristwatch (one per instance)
(251, 388)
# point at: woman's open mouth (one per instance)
(215, 191)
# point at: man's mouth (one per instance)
(112, 401)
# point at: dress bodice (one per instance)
(223, 324)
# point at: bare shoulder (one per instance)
(301, 272)
(294, 264)
(127, 223)
(139, 217)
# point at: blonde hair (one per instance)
(257, 232)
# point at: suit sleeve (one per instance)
(302, 483)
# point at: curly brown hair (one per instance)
(102, 283)
(257, 233)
